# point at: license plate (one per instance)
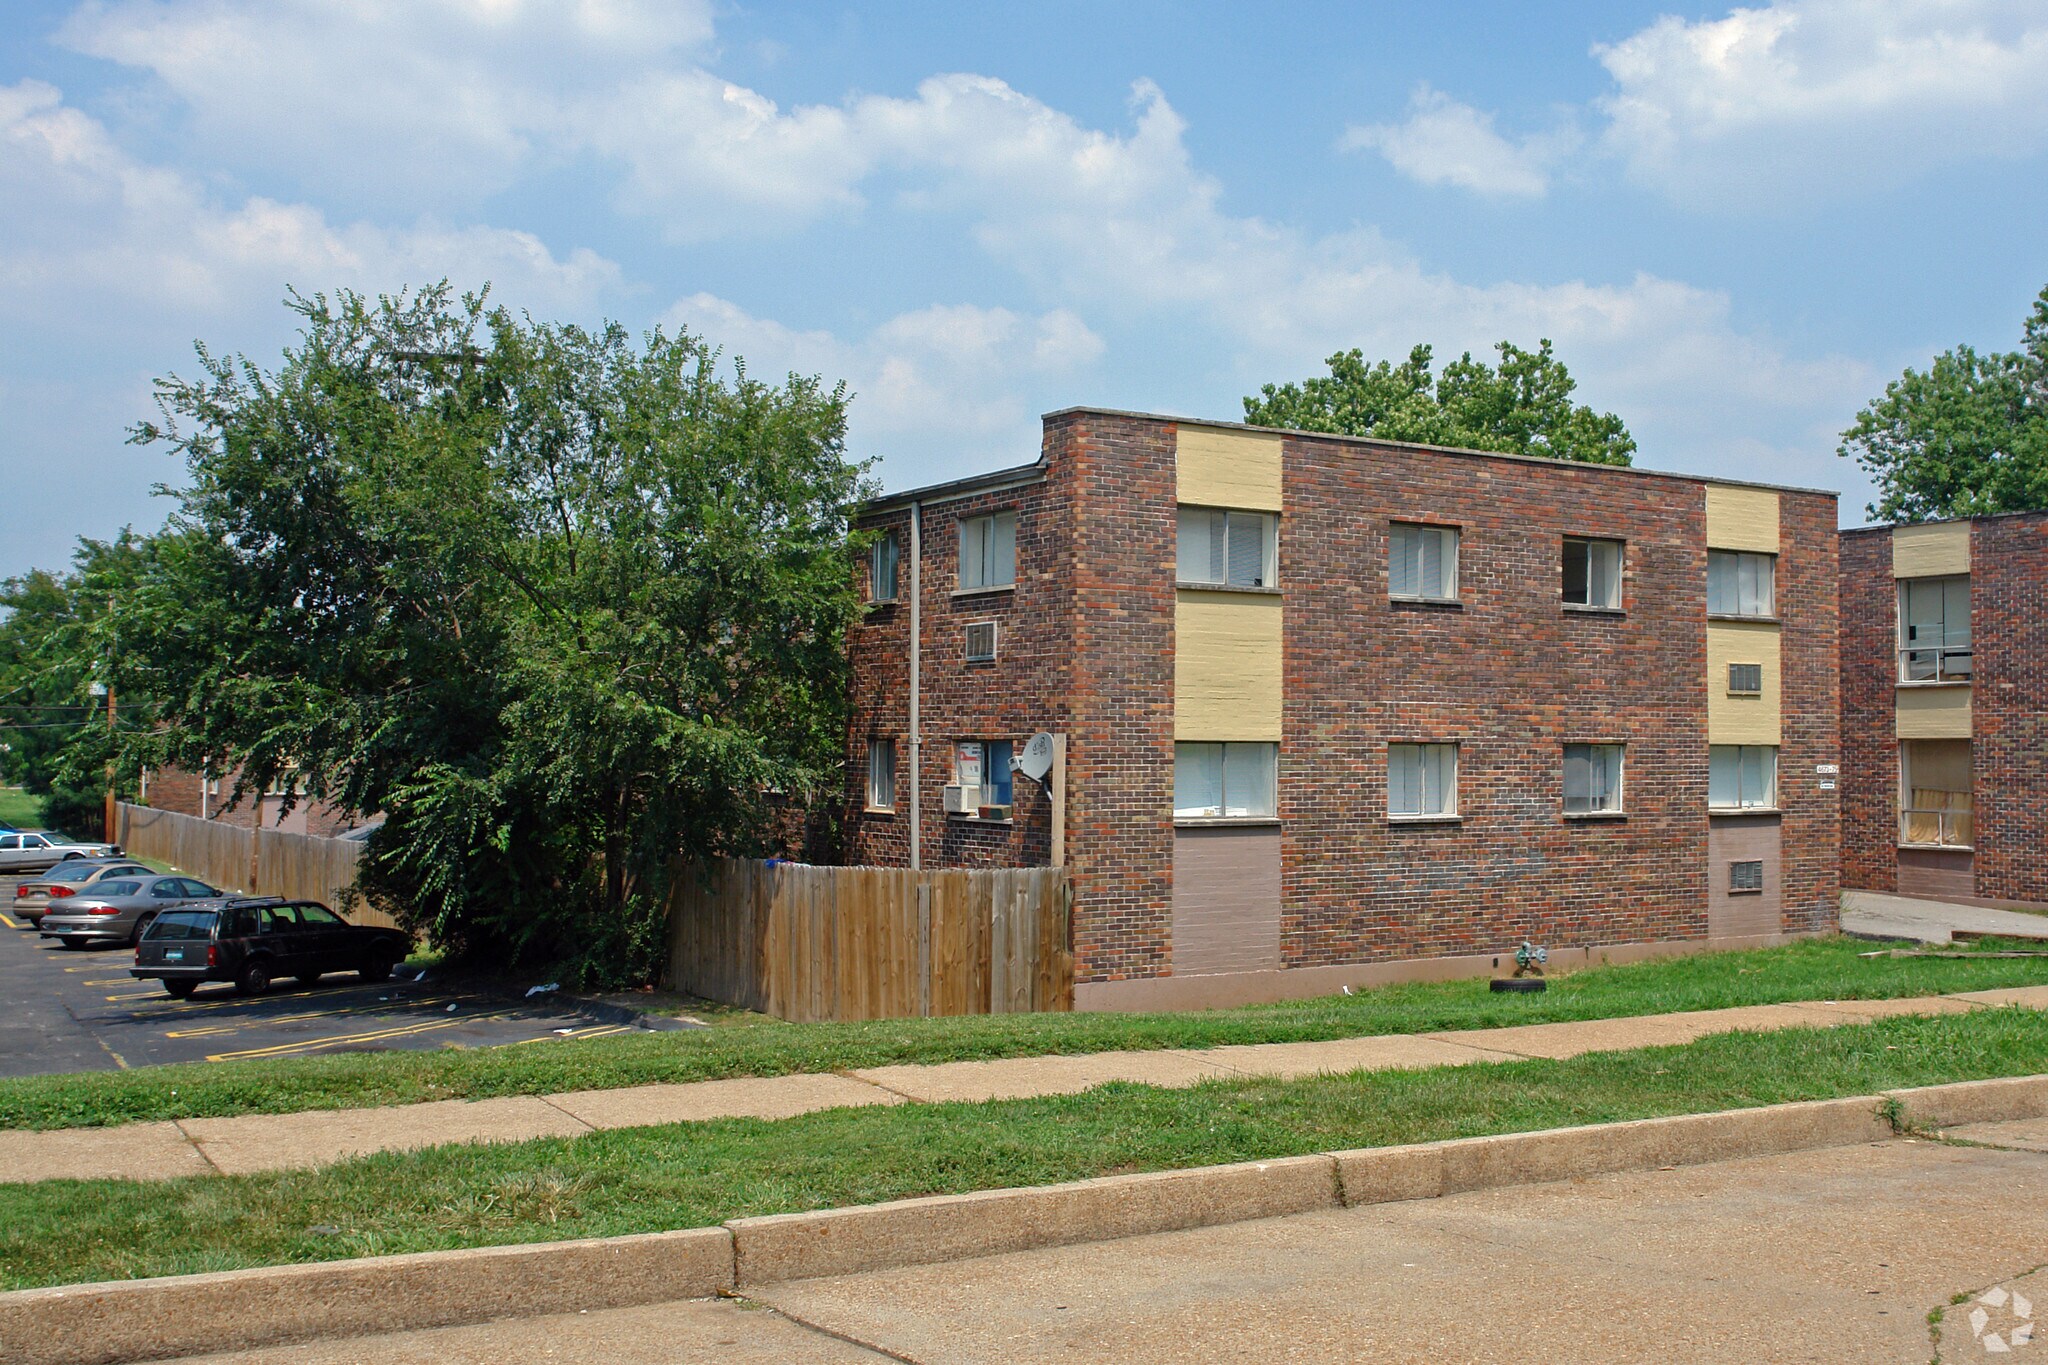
(174, 955)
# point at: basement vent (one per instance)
(1746, 678)
(1747, 876)
(981, 642)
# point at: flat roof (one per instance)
(1944, 521)
(1017, 474)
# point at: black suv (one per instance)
(254, 941)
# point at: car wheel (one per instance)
(378, 969)
(141, 928)
(253, 979)
(179, 990)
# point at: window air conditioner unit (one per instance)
(962, 799)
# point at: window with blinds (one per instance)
(1221, 781)
(1592, 573)
(881, 774)
(1746, 679)
(882, 562)
(1422, 562)
(988, 551)
(981, 642)
(1742, 777)
(1224, 548)
(1746, 876)
(1592, 779)
(1741, 584)
(1422, 781)
(1936, 798)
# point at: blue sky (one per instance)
(1735, 224)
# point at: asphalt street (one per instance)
(66, 1010)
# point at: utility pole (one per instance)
(110, 764)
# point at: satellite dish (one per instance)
(1036, 760)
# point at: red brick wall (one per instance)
(2009, 702)
(1120, 762)
(1022, 692)
(1870, 749)
(174, 789)
(1810, 721)
(1511, 677)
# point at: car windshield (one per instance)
(105, 889)
(183, 924)
(54, 837)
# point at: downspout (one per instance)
(916, 642)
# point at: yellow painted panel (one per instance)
(1931, 551)
(1752, 719)
(1226, 666)
(1742, 518)
(1216, 468)
(1934, 713)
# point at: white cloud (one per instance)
(1804, 96)
(403, 101)
(949, 387)
(111, 237)
(1444, 142)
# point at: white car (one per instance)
(37, 849)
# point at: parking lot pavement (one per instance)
(68, 1010)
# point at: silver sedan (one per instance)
(32, 898)
(118, 909)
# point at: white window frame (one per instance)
(981, 539)
(1191, 521)
(1416, 534)
(884, 549)
(1247, 788)
(881, 773)
(1592, 543)
(1947, 659)
(1618, 796)
(990, 758)
(1754, 765)
(1762, 587)
(1411, 768)
(967, 642)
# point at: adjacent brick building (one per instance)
(1945, 709)
(1335, 711)
(174, 789)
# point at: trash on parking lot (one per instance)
(548, 989)
(565, 1032)
(451, 1008)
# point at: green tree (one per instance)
(1967, 436)
(1523, 407)
(55, 645)
(559, 605)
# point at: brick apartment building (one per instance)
(1336, 711)
(174, 789)
(1945, 709)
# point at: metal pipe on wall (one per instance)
(916, 643)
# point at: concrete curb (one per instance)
(182, 1315)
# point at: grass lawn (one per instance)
(19, 809)
(690, 1175)
(1823, 969)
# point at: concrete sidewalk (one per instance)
(1872, 914)
(265, 1142)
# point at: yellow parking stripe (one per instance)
(259, 1021)
(8, 922)
(375, 1035)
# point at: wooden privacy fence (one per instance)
(839, 943)
(295, 866)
